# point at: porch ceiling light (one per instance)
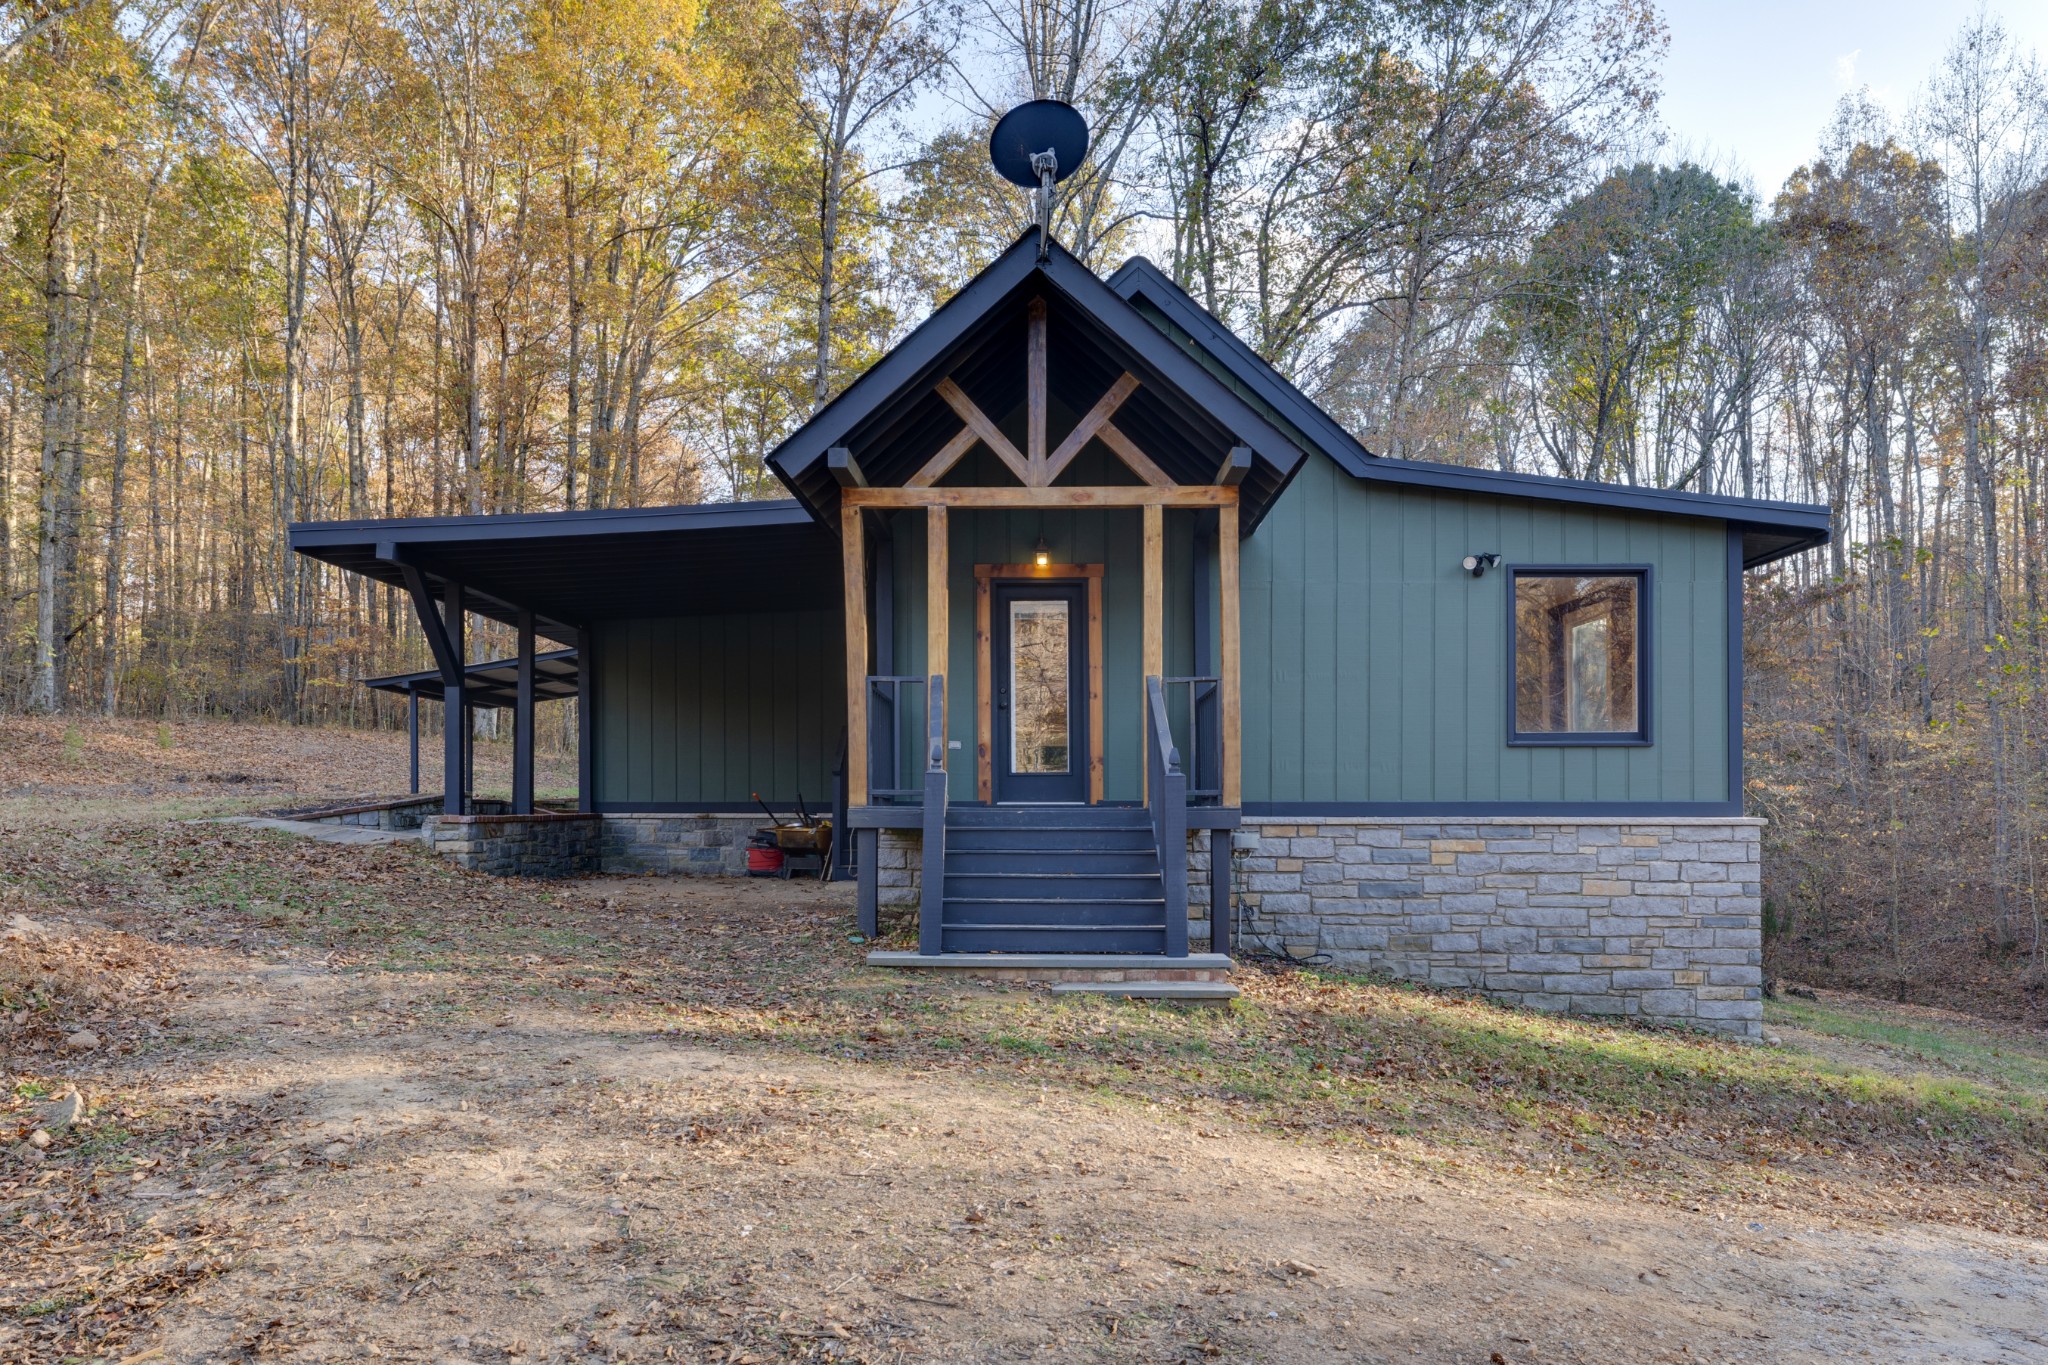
(1478, 564)
(1042, 556)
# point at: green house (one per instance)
(1113, 654)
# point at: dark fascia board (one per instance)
(315, 535)
(900, 367)
(1808, 524)
(939, 333)
(1139, 278)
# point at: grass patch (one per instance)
(2017, 1065)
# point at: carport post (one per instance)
(454, 707)
(522, 722)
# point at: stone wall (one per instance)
(899, 868)
(547, 844)
(679, 845)
(1658, 920)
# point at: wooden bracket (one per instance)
(986, 431)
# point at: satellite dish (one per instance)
(1029, 131)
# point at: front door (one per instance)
(1040, 666)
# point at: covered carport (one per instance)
(563, 576)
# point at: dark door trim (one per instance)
(986, 576)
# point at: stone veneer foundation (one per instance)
(545, 844)
(1660, 920)
(1655, 919)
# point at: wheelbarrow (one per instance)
(805, 836)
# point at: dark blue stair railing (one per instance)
(931, 900)
(1166, 797)
(887, 711)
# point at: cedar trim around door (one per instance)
(985, 576)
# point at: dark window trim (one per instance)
(1621, 739)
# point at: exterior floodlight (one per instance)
(1478, 564)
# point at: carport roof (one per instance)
(573, 568)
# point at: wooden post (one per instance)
(412, 728)
(1155, 611)
(853, 567)
(938, 626)
(1233, 715)
(1034, 394)
(522, 722)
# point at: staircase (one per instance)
(1052, 879)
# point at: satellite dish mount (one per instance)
(1037, 145)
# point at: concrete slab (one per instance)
(328, 834)
(1207, 992)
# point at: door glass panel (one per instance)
(1038, 687)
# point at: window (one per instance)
(1577, 642)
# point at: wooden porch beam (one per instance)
(1090, 423)
(1235, 466)
(845, 470)
(1127, 450)
(1034, 394)
(853, 568)
(1230, 671)
(1185, 495)
(949, 455)
(985, 430)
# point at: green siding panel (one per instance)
(707, 710)
(1375, 667)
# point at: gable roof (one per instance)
(1770, 530)
(1184, 414)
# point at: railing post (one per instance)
(1167, 795)
(931, 898)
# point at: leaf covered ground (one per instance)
(339, 1102)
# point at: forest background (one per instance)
(265, 261)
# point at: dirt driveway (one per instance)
(527, 1179)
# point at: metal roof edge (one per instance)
(1139, 276)
(806, 445)
(1760, 512)
(525, 525)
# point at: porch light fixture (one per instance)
(1042, 556)
(1478, 564)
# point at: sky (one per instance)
(1750, 85)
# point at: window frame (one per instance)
(1645, 637)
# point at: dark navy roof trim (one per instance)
(1781, 528)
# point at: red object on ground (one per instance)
(763, 862)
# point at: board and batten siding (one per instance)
(1375, 667)
(700, 712)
